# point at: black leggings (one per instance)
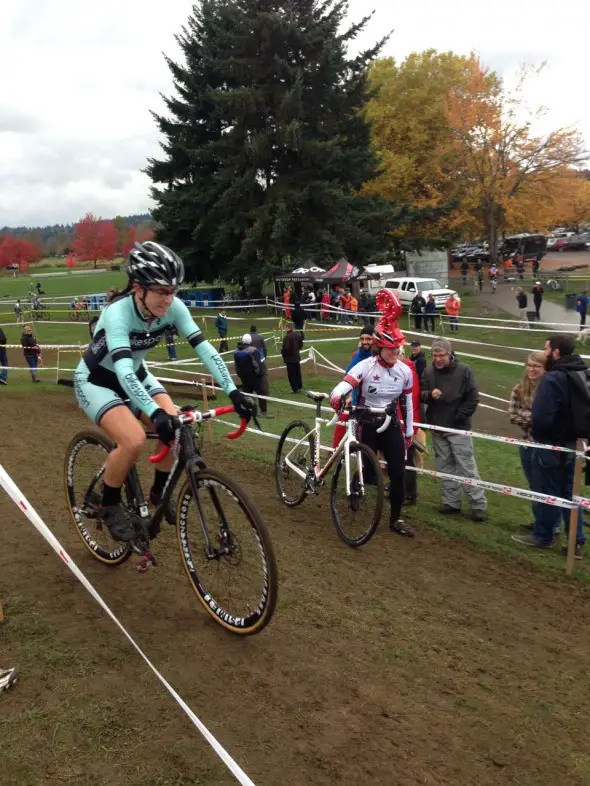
(391, 445)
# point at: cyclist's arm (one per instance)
(119, 346)
(351, 381)
(203, 349)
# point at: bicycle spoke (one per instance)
(294, 463)
(356, 511)
(226, 552)
(84, 461)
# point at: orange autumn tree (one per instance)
(500, 161)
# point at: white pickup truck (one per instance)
(408, 287)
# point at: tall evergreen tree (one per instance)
(265, 149)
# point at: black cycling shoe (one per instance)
(169, 510)
(117, 523)
(402, 528)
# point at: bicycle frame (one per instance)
(319, 474)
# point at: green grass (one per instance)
(58, 286)
(497, 462)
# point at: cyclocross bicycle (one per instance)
(357, 483)
(221, 535)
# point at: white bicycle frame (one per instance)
(319, 474)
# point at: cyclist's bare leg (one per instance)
(126, 431)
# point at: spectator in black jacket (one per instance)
(417, 357)
(429, 313)
(291, 352)
(538, 292)
(3, 359)
(450, 394)
(258, 342)
(31, 351)
(523, 301)
(299, 317)
(252, 372)
(417, 307)
(552, 471)
(170, 337)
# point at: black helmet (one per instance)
(151, 263)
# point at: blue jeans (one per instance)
(454, 322)
(171, 351)
(552, 473)
(32, 361)
(526, 458)
(4, 364)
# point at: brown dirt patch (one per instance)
(404, 662)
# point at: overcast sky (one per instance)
(80, 78)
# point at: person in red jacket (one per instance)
(411, 477)
(452, 307)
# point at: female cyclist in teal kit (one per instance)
(112, 373)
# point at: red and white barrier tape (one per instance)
(501, 488)
(25, 507)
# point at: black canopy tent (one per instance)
(340, 272)
(304, 274)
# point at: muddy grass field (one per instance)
(404, 662)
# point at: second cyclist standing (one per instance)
(381, 381)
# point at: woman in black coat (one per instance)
(31, 350)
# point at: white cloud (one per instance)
(75, 122)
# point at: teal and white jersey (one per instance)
(122, 338)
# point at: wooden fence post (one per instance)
(575, 513)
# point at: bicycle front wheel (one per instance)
(294, 463)
(227, 552)
(356, 511)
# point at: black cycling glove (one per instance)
(244, 405)
(166, 425)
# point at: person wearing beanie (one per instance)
(249, 368)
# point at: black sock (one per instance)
(160, 480)
(110, 496)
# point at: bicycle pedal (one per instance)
(145, 563)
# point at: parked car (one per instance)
(576, 242)
(558, 241)
(407, 288)
(12, 266)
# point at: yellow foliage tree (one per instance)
(413, 138)
(507, 168)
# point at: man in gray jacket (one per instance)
(450, 394)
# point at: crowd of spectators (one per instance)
(541, 406)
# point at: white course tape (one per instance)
(25, 506)
(494, 438)
(532, 496)
(425, 426)
(516, 320)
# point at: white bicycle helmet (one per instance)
(150, 263)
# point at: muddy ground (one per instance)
(401, 663)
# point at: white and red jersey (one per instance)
(379, 385)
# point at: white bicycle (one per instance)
(357, 483)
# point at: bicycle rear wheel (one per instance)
(233, 570)
(291, 487)
(83, 471)
(356, 516)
